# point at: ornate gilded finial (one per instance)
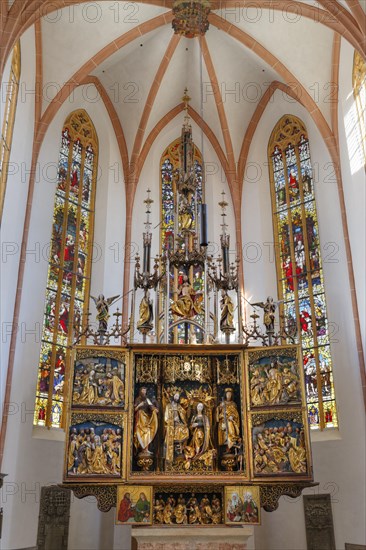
(223, 202)
(223, 205)
(148, 201)
(186, 99)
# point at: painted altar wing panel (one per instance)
(134, 505)
(242, 505)
(99, 382)
(94, 448)
(274, 378)
(279, 445)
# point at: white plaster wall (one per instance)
(353, 178)
(150, 178)
(32, 462)
(338, 457)
(16, 194)
(78, 32)
(257, 232)
(279, 31)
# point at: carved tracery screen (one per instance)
(169, 164)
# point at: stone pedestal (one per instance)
(194, 538)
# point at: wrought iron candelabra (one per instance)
(252, 333)
(91, 335)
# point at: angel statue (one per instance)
(102, 304)
(269, 309)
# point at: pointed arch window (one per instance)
(11, 92)
(169, 164)
(359, 90)
(299, 264)
(68, 283)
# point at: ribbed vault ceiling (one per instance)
(129, 49)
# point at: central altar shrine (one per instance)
(194, 418)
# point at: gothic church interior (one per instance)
(97, 99)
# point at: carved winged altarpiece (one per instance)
(187, 435)
(191, 428)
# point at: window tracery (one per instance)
(68, 282)
(299, 263)
(359, 90)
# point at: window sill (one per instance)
(52, 434)
(329, 434)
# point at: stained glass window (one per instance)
(359, 89)
(10, 88)
(169, 165)
(299, 264)
(68, 282)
